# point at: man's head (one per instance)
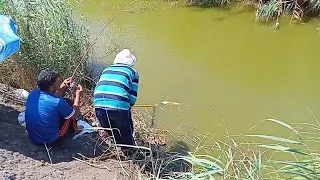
(125, 57)
(48, 80)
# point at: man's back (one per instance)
(115, 88)
(42, 116)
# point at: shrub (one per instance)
(267, 9)
(50, 36)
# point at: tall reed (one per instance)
(271, 157)
(51, 37)
(294, 155)
(269, 9)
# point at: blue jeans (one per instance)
(119, 119)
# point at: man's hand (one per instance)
(65, 83)
(63, 86)
(77, 98)
(79, 90)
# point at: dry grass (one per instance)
(16, 75)
(236, 157)
(155, 158)
(151, 158)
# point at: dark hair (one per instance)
(46, 78)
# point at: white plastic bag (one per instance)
(87, 128)
(22, 93)
(21, 119)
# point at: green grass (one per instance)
(51, 37)
(269, 9)
(248, 156)
(254, 158)
(1, 6)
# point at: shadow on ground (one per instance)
(164, 159)
(14, 140)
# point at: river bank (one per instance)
(227, 72)
(238, 158)
(268, 10)
(19, 159)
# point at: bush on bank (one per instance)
(267, 9)
(51, 37)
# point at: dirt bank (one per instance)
(21, 160)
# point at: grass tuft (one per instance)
(269, 9)
(51, 37)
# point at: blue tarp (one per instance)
(9, 39)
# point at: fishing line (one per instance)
(94, 41)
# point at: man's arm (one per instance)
(76, 104)
(134, 89)
(67, 111)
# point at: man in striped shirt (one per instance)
(115, 94)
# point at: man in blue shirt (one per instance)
(49, 117)
(115, 94)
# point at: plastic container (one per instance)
(9, 39)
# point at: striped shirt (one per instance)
(117, 88)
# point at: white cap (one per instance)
(125, 57)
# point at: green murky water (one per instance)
(199, 56)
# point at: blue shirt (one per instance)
(44, 111)
(117, 88)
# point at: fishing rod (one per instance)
(82, 58)
(94, 41)
(144, 105)
(153, 106)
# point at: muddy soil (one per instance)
(19, 159)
